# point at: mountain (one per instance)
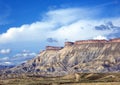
(5, 67)
(84, 56)
(2, 67)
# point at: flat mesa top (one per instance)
(82, 42)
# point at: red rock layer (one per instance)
(53, 48)
(115, 40)
(90, 41)
(82, 42)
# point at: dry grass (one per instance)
(40, 82)
(85, 79)
(99, 83)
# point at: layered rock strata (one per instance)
(92, 56)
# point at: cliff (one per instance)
(90, 41)
(93, 56)
(53, 48)
(115, 40)
(69, 43)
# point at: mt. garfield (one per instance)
(86, 56)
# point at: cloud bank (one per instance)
(18, 58)
(5, 51)
(71, 23)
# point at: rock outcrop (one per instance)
(93, 56)
(115, 40)
(69, 43)
(53, 48)
(90, 41)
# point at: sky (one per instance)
(28, 26)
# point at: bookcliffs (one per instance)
(92, 56)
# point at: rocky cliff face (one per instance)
(94, 56)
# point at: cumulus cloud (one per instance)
(100, 38)
(5, 61)
(53, 21)
(60, 24)
(23, 56)
(5, 51)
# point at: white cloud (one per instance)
(66, 16)
(7, 63)
(71, 24)
(23, 56)
(51, 21)
(18, 58)
(100, 37)
(3, 60)
(5, 51)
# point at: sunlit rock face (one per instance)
(93, 56)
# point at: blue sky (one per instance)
(27, 26)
